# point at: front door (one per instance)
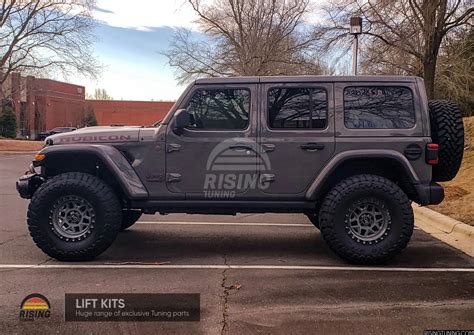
(213, 155)
(297, 134)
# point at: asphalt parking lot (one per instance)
(255, 274)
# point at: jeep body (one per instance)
(259, 144)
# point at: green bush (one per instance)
(8, 122)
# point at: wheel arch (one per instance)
(105, 161)
(386, 163)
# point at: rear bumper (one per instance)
(27, 185)
(430, 194)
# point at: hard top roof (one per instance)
(292, 79)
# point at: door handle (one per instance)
(240, 147)
(312, 146)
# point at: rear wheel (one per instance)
(366, 219)
(129, 217)
(74, 217)
(447, 131)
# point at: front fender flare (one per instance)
(112, 159)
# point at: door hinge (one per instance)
(267, 178)
(173, 177)
(173, 147)
(268, 147)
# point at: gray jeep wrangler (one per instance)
(351, 153)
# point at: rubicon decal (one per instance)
(95, 138)
(35, 306)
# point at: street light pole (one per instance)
(355, 50)
(355, 30)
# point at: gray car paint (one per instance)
(152, 162)
(294, 168)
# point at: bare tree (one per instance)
(99, 94)
(403, 35)
(455, 70)
(46, 35)
(245, 37)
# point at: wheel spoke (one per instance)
(72, 217)
(368, 220)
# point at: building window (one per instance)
(382, 107)
(219, 109)
(297, 108)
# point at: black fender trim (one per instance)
(113, 159)
(314, 190)
(430, 194)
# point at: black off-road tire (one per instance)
(129, 217)
(447, 131)
(106, 224)
(336, 211)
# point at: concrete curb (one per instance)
(455, 233)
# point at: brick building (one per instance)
(130, 113)
(43, 104)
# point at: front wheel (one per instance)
(74, 217)
(366, 219)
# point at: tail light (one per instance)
(432, 153)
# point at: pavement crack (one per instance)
(12, 239)
(225, 297)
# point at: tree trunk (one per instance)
(429, 72)
(429, 63)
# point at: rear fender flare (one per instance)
(314, 190)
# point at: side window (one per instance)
(219, 109)
(383, 107)
(296, 108)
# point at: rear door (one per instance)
(296, 133)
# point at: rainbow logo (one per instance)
(34, 306)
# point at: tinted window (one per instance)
(378, 107)
(219, 109)
(297, 108)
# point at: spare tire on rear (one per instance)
(447, 131)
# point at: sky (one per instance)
(129, 39)
(130, 36)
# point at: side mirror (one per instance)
(182, 120)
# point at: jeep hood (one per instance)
(109, 134)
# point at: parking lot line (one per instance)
(200, 223)
(239, 267)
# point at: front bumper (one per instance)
(430, 194)
(28, 184)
